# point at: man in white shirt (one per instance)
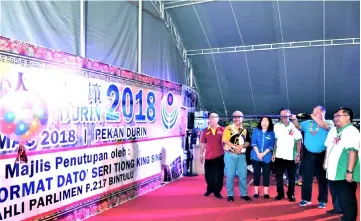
(342, 161)
(286, 154)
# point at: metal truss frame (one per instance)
(160, 7)
(182, 3)
(275, 46)
(177, 39)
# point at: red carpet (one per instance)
(183, 200)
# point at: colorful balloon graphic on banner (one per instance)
(23, 115)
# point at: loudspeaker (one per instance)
(191, 120)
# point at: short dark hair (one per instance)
(285, 109)
(346, 110)
(270, 125)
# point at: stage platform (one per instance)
(183, 200)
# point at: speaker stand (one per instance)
(190, 164)
(189, 155)
(190, 174)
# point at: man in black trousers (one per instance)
(315, 133)
(212, 154)
(342, 161)
(286, 154)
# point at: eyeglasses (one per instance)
(237, 117)
(340, 115)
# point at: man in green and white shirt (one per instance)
(342, 161)
(286, 154)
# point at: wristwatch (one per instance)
(349, 171)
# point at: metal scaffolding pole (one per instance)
(191, 78)
(140, 33)
(82, 29)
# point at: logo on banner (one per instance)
(169, 111)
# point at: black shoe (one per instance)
(292, 199)
(256, 196)
(219, 196)
(230, 199)
(266, 196)
(247, 198)
(207, 193)
(279, 197)
(333, 211)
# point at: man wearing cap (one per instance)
(236, 140)
(212, 154)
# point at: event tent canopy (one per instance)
(261, 56)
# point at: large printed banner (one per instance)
(92, 139)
